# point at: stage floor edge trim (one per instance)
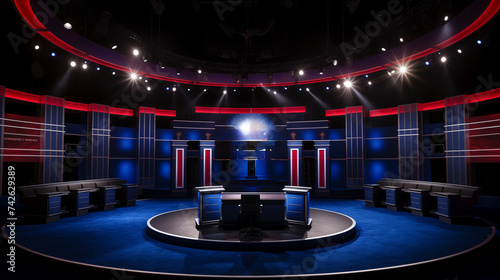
(331, 239)
(353, 272)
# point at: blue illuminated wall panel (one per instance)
(146, 141)
(375, 169)
(123, 147)
(381, 148)
(410, 141)
(125, 169)
(98, 135)
(337, 174)
(162, 173)
(457, 165)
(53, 111)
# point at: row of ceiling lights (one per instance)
(136, 52)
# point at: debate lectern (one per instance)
(209, 211)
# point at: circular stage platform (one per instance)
(178, 228)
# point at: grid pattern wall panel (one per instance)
(53, 149)
(354, 146)
(98, 144)
(409, 142)
(147, 129)
(456, 140)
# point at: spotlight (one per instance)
(135, 52)
(479, 42)
(383, 49)
(393, 71)
(348, 84)
(98, 68)
(72, 63)
(366, 75)
(114, 47)
(401, 40)
(204, 90)
(443, 59)
(301, 72)
(140, 77)
(335, 62)
(459, 50)
(174, 89)
(178, 72)
(321, 71)
(427, 63)
(269, 89)
(446, 18)
(389, 73)
(168, 88)
(133, 76)
(338, 85)
(68, 26)
(286, 88)
(300, 89)
(327, 88)
(234, 90)
(145, 81)
(274, 92)
(189, 89)
(53, 54)
(402, 69)
(148, 88)
(225, 91)
(84, 66)
(200, 71)
(369, 83)
(307, 89)
(113, 73)
(37, 47)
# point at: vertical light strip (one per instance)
(207, 167)
(179, 166)
(294, 167)
(322, 168)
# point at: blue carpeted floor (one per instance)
(117, 238)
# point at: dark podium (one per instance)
(272, 214)
(278, 209)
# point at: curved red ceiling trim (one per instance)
(26, 11)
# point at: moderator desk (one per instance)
(273, 209)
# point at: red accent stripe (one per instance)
(207, 110)
(23, 96)
(121, 111)
(166, 113)
(235, 110)
(485, 95)
(384, 112)
(432, 105)
(179, 162)
(335, 112)
(70, 105)
(272, 110)
(293, 110)
(322, 170)
(208, 164)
